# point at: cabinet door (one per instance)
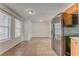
(67, 19)
(78, 13)
(75, 51)
(74, 47)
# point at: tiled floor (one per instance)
(35, 47)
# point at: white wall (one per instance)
(50, 29)
(27, 30)
(40, 29)
(4, 46)
(36, 29)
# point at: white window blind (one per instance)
(4, 26)
(17, 28)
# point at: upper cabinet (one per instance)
(67, 19)
(71, 9)
(70, 15)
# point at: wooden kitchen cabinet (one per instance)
(74, 47)
(67, 14)
(67, 18)
(72, 8)
(75, 51)
(78, 13)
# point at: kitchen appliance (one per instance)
(58, 35)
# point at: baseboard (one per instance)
(40, 37)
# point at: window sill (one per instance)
(4, 40)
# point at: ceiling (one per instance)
(43, 11)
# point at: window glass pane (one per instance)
(18, 23)
(1, 19)
(1, 37)
(1, 30)
(17, 28)
(4, 26)
(6, 35)
(18, 32)
(3, 33)
(5, 30)
(6, 20)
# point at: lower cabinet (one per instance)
(74, 47)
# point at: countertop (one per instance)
(75, 38)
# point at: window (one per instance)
(17, 28)
(4, 26)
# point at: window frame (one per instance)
(8, 27)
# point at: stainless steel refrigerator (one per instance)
(58, 35)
